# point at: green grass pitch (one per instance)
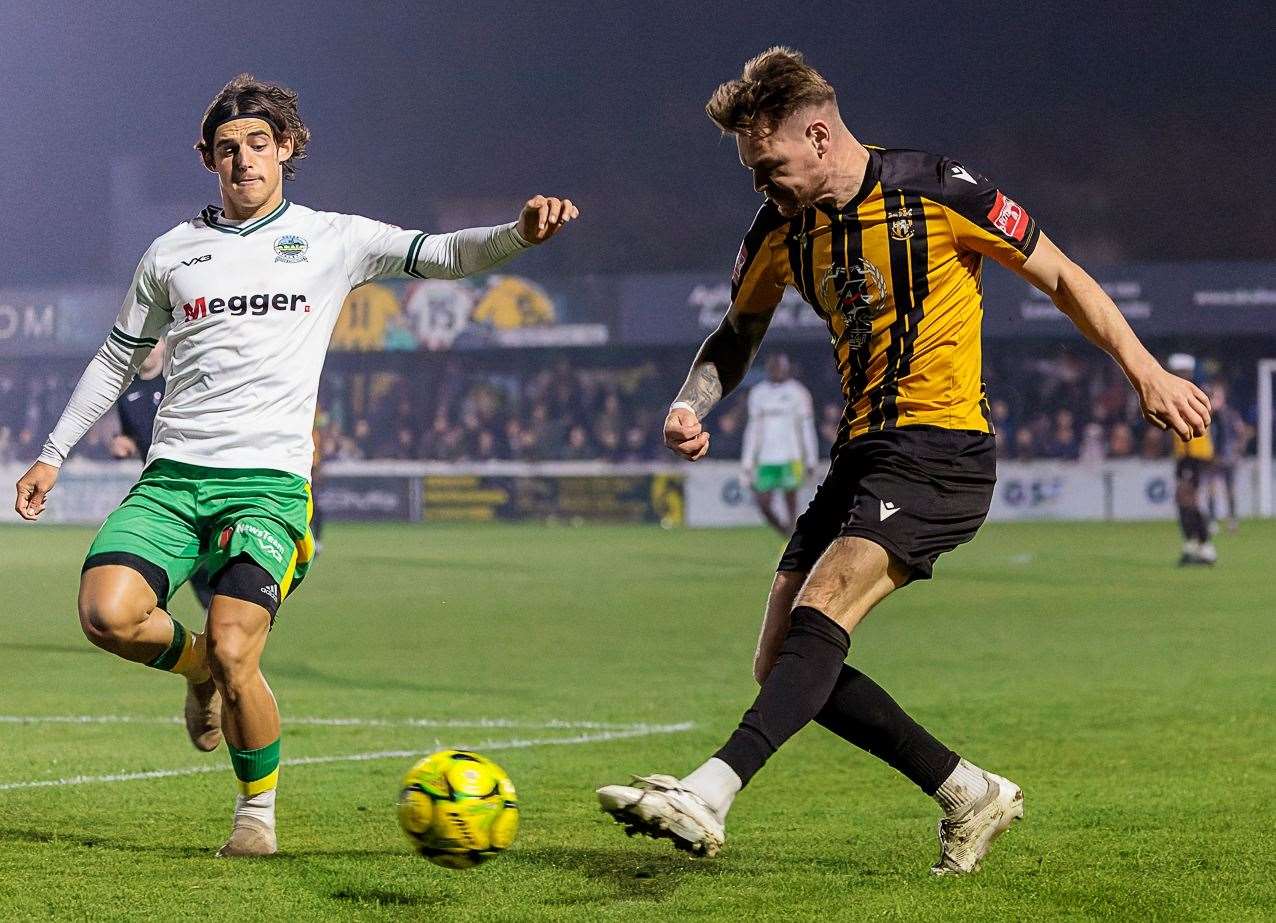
(1132, 700)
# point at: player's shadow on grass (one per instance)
(377, 897)
(628, 871)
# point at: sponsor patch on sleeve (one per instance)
(1009, 217)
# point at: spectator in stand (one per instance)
(1093, 446)
(578, 447)
(1121, 441)
(362, 436)
(608, 440)
(450, 445)
(1152, 445)
(1025, 444)
(1062, 441)
(402, 446)
(348, 449)
(485, 447)
(642, 441)
(543, 441)
(520, 440)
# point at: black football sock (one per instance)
(1186, 525)
(863, 713)
(1194, 524)
(796, 689)
(1202, 527)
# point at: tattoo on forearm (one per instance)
(703, 389)
(723, 361)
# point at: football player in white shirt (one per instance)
(246, 296)
(779, 441)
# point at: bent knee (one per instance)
(112, 620)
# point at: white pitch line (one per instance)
(452, 723)
(488, 745)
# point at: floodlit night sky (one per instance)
(1129, 135)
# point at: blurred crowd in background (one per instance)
(594, 405)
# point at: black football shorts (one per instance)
(917, 491)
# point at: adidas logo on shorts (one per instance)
(273, 592)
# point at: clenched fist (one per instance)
(544, 216)
(33, 488)
(684, 434)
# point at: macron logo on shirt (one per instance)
(239, 305)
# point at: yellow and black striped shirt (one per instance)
(895, 273)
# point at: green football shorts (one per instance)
(178, 517)
(787, 476)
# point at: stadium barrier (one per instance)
(570, 492)
(707, 494)
(1124, 490)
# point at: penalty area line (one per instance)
(487, 745)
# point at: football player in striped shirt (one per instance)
(887, 246)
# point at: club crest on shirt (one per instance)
(291, 249)
(858, 294)
(900, 223)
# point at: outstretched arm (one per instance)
(376, 250)
(463, 253)
(1168, 401)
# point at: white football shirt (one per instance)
(781, 427)
(247, 310)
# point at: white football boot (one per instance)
(658, 806)
(250, 837)
(965, 840)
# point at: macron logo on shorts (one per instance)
(888, 510)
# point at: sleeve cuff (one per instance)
(50, 455)
(518, 238)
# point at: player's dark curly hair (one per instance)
(773, 86)
(246, 97)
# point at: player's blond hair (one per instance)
(773, 86)
(246, 96)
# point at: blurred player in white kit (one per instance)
(779, 441)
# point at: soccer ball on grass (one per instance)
(458, 808)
